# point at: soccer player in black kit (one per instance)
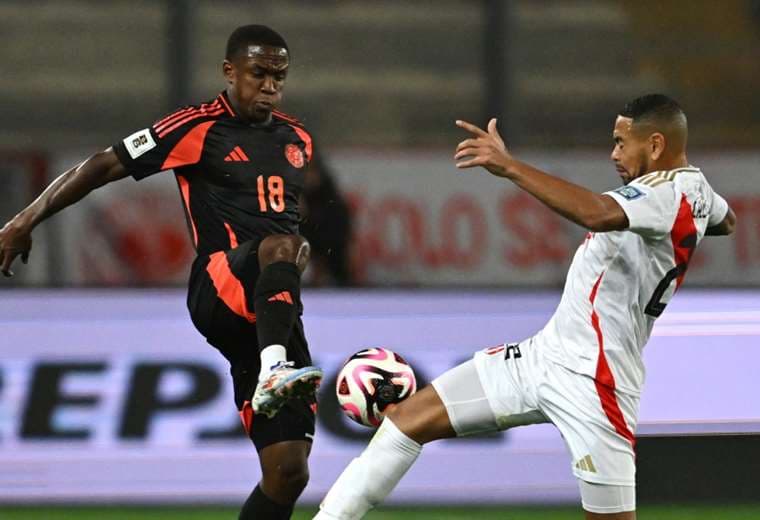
(239, 165)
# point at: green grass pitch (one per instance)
(674, 512)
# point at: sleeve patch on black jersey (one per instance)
(629, 192)
(139, 143)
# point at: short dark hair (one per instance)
(653, 107)
(246, 35)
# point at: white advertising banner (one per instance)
(421, 221)
(108, 396)
(417, 221)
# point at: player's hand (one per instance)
(484, 148)
(14, 241)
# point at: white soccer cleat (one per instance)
(284, 383)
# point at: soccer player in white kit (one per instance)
(583, 371)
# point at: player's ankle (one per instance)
(271, 356)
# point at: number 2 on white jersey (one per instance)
(656, 306)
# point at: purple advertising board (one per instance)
(113, 396)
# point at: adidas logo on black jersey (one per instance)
(237, 155)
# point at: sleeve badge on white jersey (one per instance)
(630, 192)
(139, 143)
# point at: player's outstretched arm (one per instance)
(593, 211)
(726, 226)
(68, 188)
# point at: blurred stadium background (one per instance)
(108, 395)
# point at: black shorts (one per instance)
(294, 422)
(220, 299)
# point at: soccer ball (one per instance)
(369, 381)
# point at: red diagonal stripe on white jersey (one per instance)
(604, 380)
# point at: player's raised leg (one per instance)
(395, 446)
(455, 404)
(277, 302)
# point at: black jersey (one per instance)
(238, 181)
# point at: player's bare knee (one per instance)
(289, 478)
(284, 248)
(399, 415)
(296, 481)
(422, 417)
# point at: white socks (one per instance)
(270, 356)
(372, 476)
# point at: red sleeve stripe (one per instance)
(193, 110)
(182, 113)
(203, 109)
(174, 114)
(188, 119)
(286, 117)
(226, 105)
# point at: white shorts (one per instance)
(514, 385)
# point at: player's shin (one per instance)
(372, 476)
(276, 303)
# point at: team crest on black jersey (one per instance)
(294, 155)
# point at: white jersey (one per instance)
(620, 282)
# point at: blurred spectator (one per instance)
(326, 223)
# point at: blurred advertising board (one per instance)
(417, 222)
(421, 221)
(113, 396)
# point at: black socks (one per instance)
(261, 507)
(277, 301)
